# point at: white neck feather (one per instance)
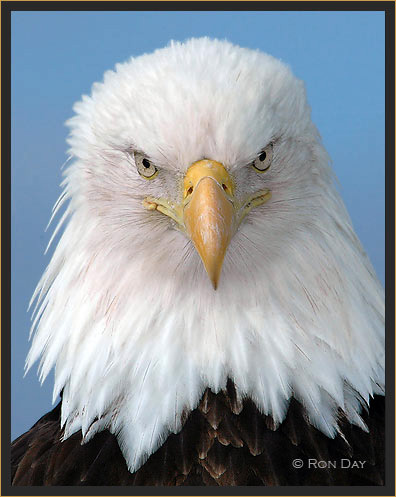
(135, 345)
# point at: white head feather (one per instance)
(127, 314)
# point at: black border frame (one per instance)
(7, 7)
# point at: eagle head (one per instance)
(205, 240)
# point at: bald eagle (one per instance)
(209, 311)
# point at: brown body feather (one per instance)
(223, 442)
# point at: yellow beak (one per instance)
(209, 213)
(209, 216)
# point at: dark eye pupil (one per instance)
(262, 156)
(146, 163)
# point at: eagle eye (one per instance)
(145, 167)
(263, 161)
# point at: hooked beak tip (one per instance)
(209, 216)
(214, 271)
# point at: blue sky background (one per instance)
(57, 56)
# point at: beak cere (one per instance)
(209, 213)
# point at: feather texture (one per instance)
(125, 312)
(232, 454)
